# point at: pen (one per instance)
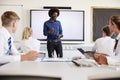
(75, 63)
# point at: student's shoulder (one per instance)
(37, 41)
(34, 40)
(3, 34)
(99, 39)
(2, 31)
(110, 39)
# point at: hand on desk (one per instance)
(100, 58)
(30, 56)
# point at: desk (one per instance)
(65, 70)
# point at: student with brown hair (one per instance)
(102, 59)
(105, 44)
(8, 52)
(28, 42)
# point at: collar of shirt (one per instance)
(51, 21)
(106, 37)
(7, 34)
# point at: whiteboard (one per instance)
(18, 9)
(72, 22)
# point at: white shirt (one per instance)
(4, 56)
(117, 51)
(104, 45)
(115, 60)
(30, 44)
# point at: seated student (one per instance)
(8, 51)
(102, 59)
(112, 34)
(29, 43)
(104, 44)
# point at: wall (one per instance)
(75, 4)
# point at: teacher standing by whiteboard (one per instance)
(53, 30)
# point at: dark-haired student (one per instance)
(105, 44)
(8, 51)
(53, 31)
(113, 60)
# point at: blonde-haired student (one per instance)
(8, 51)
(29, 43)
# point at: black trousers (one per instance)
(54, 45)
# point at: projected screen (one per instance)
(72, 22)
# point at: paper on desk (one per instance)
(86, 62)
(56, 60)
(115, 64)
(113, 61)
(117, 68)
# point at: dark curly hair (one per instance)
(106, 30)
(53, 10)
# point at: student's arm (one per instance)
(100, 58)
(30, 56)
(9, 58)
(14, 50)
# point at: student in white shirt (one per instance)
(115, 60)
(112, 34)
(8, 52)
(28, 43)
(105, 44)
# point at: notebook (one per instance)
(56, 60)
(85, 62)
(87, 54)
(83, 52)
